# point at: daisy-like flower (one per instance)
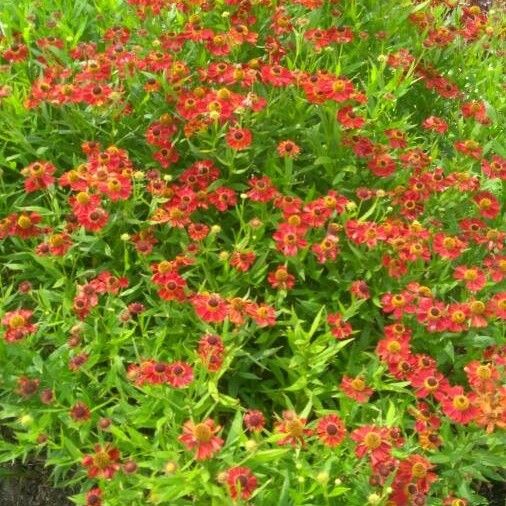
(473, 278)
(210, 307)
(448, 247)
(242, 260)
(18, 325)
(482, 378)
(428, 382)
(38, 176)
(239, 138)
(348, 119)
(331, 430)
(488, 204)
(382, 165)
(436, 124)
(262, 314)
(292, 428)
(289, 239)
(202, 438)
(356, 389)
(103, 463)
(373, 441)
(179, 374)
(241, 482)
(338, 327)
(281, 278)
(459, 406)
(288, 149)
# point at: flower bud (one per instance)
(170, 467)
(250, 445)
(322, 477)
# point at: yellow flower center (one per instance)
(477, 307)
(17, 321)
(358, 384)
(101, 460)
(24, 222)
(483, 372)
(418, 470)
(372, 440)
(82, 198)
(461, 402)
(394, 347)
(470, 274)
(295, 428)
(202, 433)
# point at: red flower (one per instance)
(80, 412)
(396, 138)
(104, 463)
(488, 205)
(262, 189)
(179, 374)
(433, 314)
(211, 351)
(288, 149)
(26, 225)
(202, 438)
(482, 378)
(242, 261)
(239, 138)
(94, 219)
(289, 239)
(338, 327)
(475, 109)
(326, 250)
(262, 314)
(15, 53)
(241, 482)
(447, 246)
(373, 441)
(276, 75)
(116, 187)
(382, 165)
(458, 406)
(397, 304)
(348, 119)
(356, 389)
(458, 317)
(470, 148)
(473, 277)
(331, 430)
(394, 347)
(292, 428)
(94, 497)
(171, 286)
(436, 124)
(18, 325)
(495, 168)
(210, 307)
(281, 279)
(428, 382)
(360, 289)
(38, 176)
(496, 306)
(254, 420)
(26, 387)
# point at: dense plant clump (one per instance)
(252, 250)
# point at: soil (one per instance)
(30, 485)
